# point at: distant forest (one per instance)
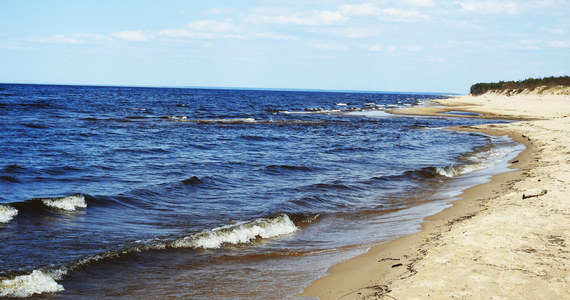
(530, 84)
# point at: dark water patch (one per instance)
(348, 149)
(136, 118)
(14, 168)
(312, 202)
(422, 174)
(330, 187)
(36, 125)
(9, 178)
(280, 169)
(194, 180)
(36, 105)
(61, 170)
(258, 138)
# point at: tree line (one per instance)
(530, 83)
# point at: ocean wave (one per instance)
(482, 159)
(312, 111)
(9, 178)
(331, 186)
(14, 168)
(277, 169)
(475, 161)
(240, 233)
(37, 282)
(454, 170)
(45, 281)
(192, 180)
(178, 118)
(68, 203)
(228, 121)
(7, 213)
(420, 174)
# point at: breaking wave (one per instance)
(7, 213)
(453, 171)
(68, 203)
(481, 160)
(472, 162)
(37, 282)
(45, 281)
(240, 233)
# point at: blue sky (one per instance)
(409, 45)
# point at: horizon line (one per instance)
(237, 88)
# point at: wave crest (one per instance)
(453, 171)
(239, 233)
(7, 213)
(37, 282)
(68, 203)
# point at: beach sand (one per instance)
(506, 239)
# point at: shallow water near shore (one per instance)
(207, 193)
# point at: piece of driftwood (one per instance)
(537, 195)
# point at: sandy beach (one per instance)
(506, 239)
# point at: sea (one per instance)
(201, 193)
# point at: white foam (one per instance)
(228, 121)
(236, 120)
(370, 113)
(451, 171)
(240, 233)
(500, 154)
(7, 213)
(38, 282)
(69, 203)
(178, 118)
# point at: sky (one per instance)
(407, 45)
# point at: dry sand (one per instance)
(507, 239)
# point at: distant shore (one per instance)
(506, 238)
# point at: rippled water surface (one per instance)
(209, 193)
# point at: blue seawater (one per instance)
(207, 193)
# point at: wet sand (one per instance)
(506, 239)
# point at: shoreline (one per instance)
(485, 244)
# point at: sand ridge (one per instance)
(493, 244)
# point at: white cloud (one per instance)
(501, 7)
(376, 48)
(270, 35)
(412, 48)
(557, 31)
(177, 33)
(357, 32)
(214, 26)
(315, 18)
(188, 34)
(559, 44)
(394, 48)
(372, 10)
(424, 3)
(529, 44)
(364, 9)
(59, 39)
(329, 47)
(131, 36)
